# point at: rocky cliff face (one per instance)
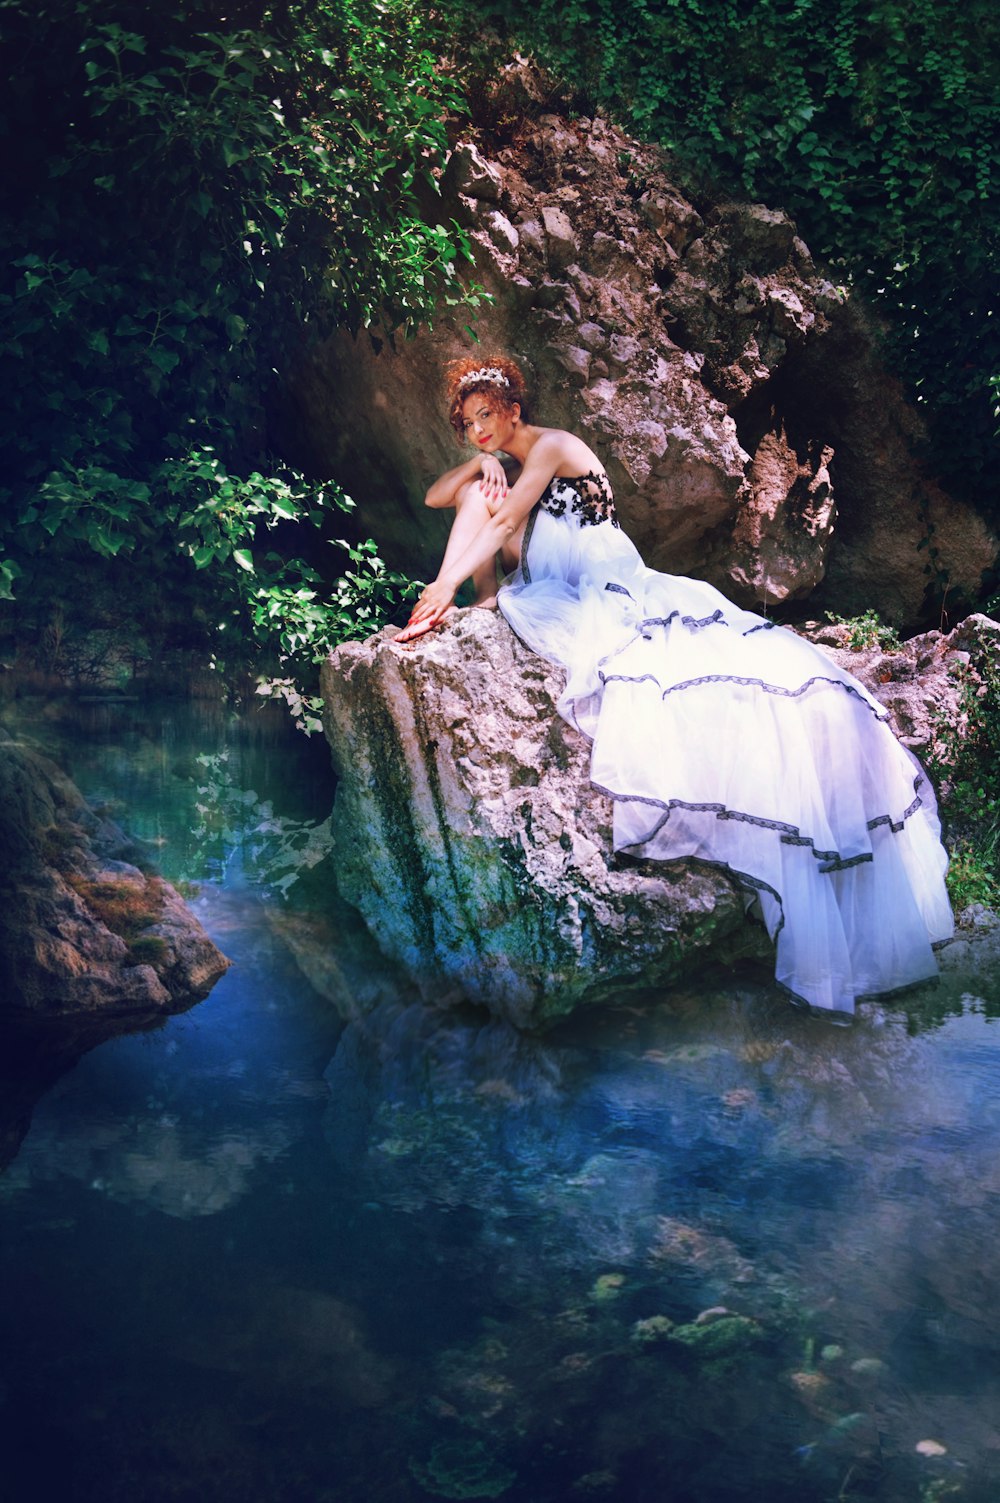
(732, 390)
(470, 839)
(84, 933)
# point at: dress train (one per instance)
(724, 738)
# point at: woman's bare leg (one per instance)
(484, 583)
(510, 554)
(471, 514)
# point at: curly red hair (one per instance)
(499, 395)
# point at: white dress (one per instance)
(724, 738)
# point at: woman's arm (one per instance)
(539, 468)
(446, 487)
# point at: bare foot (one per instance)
(487, 603)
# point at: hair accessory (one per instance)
(485, 373)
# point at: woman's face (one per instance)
(487, 426)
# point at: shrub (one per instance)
(189, 200)
(867, 630)
(966, 767)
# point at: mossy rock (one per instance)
(726, 1337)
(148, 949)
(463, 1469)
(653, 1330)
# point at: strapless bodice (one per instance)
(587, 497)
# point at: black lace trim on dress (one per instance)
(749, 884)
(529, 528)
(836, 1015)
(764, 626)
(746, 682)
(886, 819)
(684, 620)
(830, 861)
(618, 589)
(755, 885)
(587, 497)
(691, 621)
(742, 879)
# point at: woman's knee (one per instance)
(470, 493)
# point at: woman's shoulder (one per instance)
(565, 452)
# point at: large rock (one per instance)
(786, 534)
(468, 834)
(470, 839)
(923, 682)
(84, 932)
(734, 394)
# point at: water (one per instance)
(701, 1249)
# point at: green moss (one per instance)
(608, 1286)
(725, 1337)
(965, 765)
(972, 877)
(56, 842)
(393, 797)
(463, 1469)
(125, 908)
(148, 949)
(652, 1330)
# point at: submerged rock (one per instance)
(717, 1338)
(468, 835)
(84, 932)
(652, 1331)
(463, 1468)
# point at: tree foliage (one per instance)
(188, 198)
(875, 122)
(189, 195)
(966, 768)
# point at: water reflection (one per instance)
(696, 1248)
(30, 1063)
(700, 1196)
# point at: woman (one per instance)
(717, 735)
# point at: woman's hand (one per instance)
(432, 603)
(493, 482)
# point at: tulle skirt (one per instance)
(721, 737)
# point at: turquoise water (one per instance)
(701, 1249)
